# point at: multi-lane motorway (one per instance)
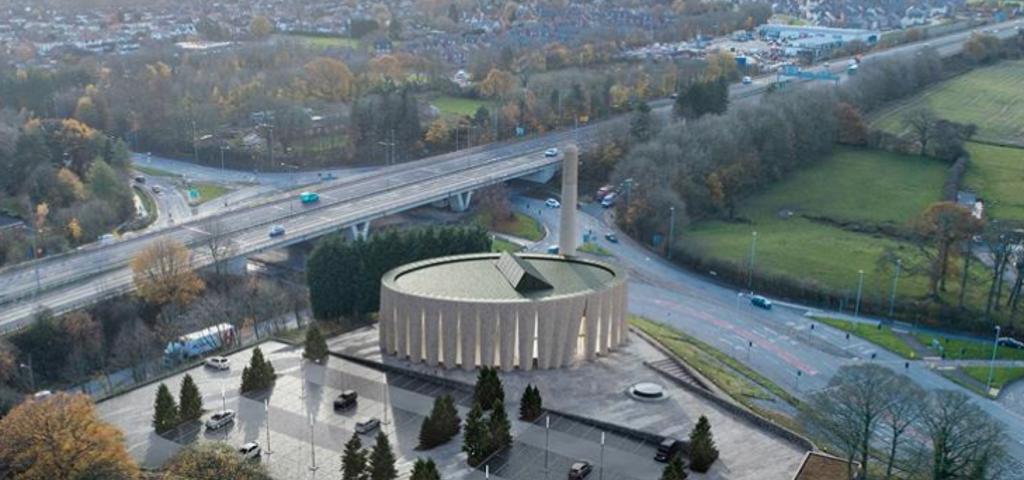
(76, 278)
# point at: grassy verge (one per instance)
(594, 249)
(883, 337)
(449, 105)
(501, 245)
(155, 172)
(520, 225)
(996, 172)
(209, 191)
(1001, 376)
(736, 379)
(148, 203)
(958, 348)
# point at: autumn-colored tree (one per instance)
(164, 274)
(212, 460)
(72, 183)
(439, 134)
(386, 68)
(497, 84)
(944, 225)
(327, 79)
(852, 130)
(61, 438)
(260, 26)
(720, 64)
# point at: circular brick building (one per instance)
(504, 310)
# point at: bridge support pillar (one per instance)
(360, 231)
(460, 202)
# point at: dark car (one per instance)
(668, 449)
(345, 400)
(759, 301)
(580, 470)
(611, 237)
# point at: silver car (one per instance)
(368, 425)
(220, 419)
(219, 363)
(250, 451)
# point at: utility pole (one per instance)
(222, 148)
(860, 287)
(671, 230)
(750, 265)
(895, 280)
(266, 408)
(992, 363)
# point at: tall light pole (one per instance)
(222, 148)
(895, 281)
(750, 265)
(992, 363)
(860, 287)
(266, 408)
(547, 432)
(671, 230)
(312, 446)
(601, 476)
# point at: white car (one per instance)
(220, 419)
(220, 363)
(368, 425)
(552, 203)
(747, 80)
(276, 231)
(551, 152)
(251, 451)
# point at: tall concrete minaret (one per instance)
(567, 227)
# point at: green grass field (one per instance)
(1001, 376)
(522, 226)
(209, 191)
(502, 245)
(852, 186)
(454, 106)
(883, 337)
(155, 172)
(972, 349)
(989, 97)
(997, 173)
(594, 249)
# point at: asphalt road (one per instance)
(776, 343)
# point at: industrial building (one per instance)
(506, 310)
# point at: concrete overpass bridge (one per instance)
(68, 281)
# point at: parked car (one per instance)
(219, 363)
(759, 301)
(552, 203)
(220, 419)
(603, 191)
(1011, 342)
(551, 152)
(747, 80)
(309, 197)
(156, 189)
(609, 200)
(277, 230)
(140, 179)
(368, 425)
(668, 449)
(611, 237)
(580, 470)
(345, 400)
(106, 239)
(251, 451)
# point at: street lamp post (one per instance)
(860, 287)
(266, 408)
(895, 281)
(312, 447)
(222, 148)
(992, 363)
(671, 230)
(547, 431)
(601, 476)
(750, 265)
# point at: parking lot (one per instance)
(302, 424)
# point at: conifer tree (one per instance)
(165, 410)
(259, 375)
(476, 439)
(703, 452)
(353, 460)
(316, 345)
(191, 402)
(674, 470)
(382, 460)
(425, 470)
(500, 428)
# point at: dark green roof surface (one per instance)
(476, 277)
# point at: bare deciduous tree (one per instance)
(920, 122)
(218, 244)
(966, 442)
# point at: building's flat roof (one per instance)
(476, 277)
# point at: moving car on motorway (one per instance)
(309, 197)
(551, 152)
(552, 203)
(759, 301)
(220, 419)
(277, 230)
